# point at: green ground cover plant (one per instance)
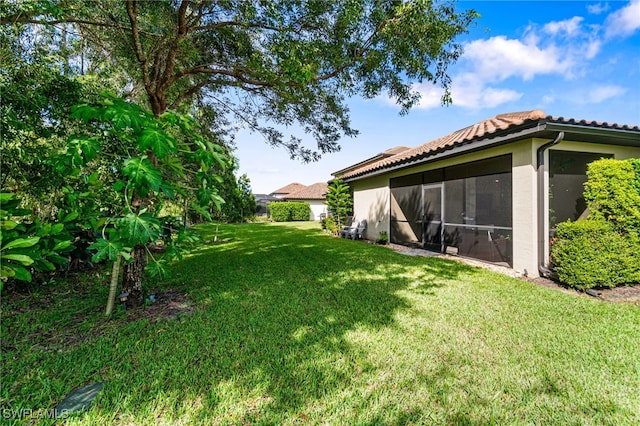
(288, 325)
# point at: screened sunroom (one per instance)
(463, 209)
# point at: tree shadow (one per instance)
(274, 307)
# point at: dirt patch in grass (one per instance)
(624, 294)
(167, 305)
(75, 325)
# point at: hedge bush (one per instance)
(288, 211)
(602, 251)
(592, 253)
(612, 192)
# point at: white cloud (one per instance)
(602, 93)
(548, 99)
(499, 58)
(623, 22)
(570, 27)
(592, 48)
(562, 49)
(597, 9)
(430, 95)
(492, 97)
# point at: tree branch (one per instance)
(190, 92)
(223, 24)
(132, 12)
(167, 78)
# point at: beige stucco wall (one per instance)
(371, 202)
(371, 196)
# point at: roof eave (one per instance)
(589, 132)
(622, 136)
(461, 148)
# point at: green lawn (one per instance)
(291, 326)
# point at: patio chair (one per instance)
(348, 230)
(355, 232)
(360, 230)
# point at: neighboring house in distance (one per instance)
(493, 191)
(288, 189)
(315, 195)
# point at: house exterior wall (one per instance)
(371, 196)
(317, 208)
(371, 202)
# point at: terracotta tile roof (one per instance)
(288, 189)
(395, 150)
(317, 191)
(385, 154)
(491, 127)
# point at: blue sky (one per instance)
(573, 59)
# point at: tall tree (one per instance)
(268, 63)
(264, 64)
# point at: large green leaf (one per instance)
(61, 245)
(142, 228)
(86, 112)
(157, 141)
(87, 147)
(142, 173)
(20, 258)
(106, 249)
(8, 224)
(16, 272)
(22, 243)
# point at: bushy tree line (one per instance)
(602, 251)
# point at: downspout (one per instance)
(543, 268)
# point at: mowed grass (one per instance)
(292, 326)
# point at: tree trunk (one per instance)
(132, 272)
(115, 273)
(132, 277)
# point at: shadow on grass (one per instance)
(268, 340)
(276, 303)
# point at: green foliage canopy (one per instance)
(267, 64)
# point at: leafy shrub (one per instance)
(330, 225)
(339, 201)
(29, 246)
(383, 238)
(592, 253)
(612, 192)
(300, 211)
(290, 211)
